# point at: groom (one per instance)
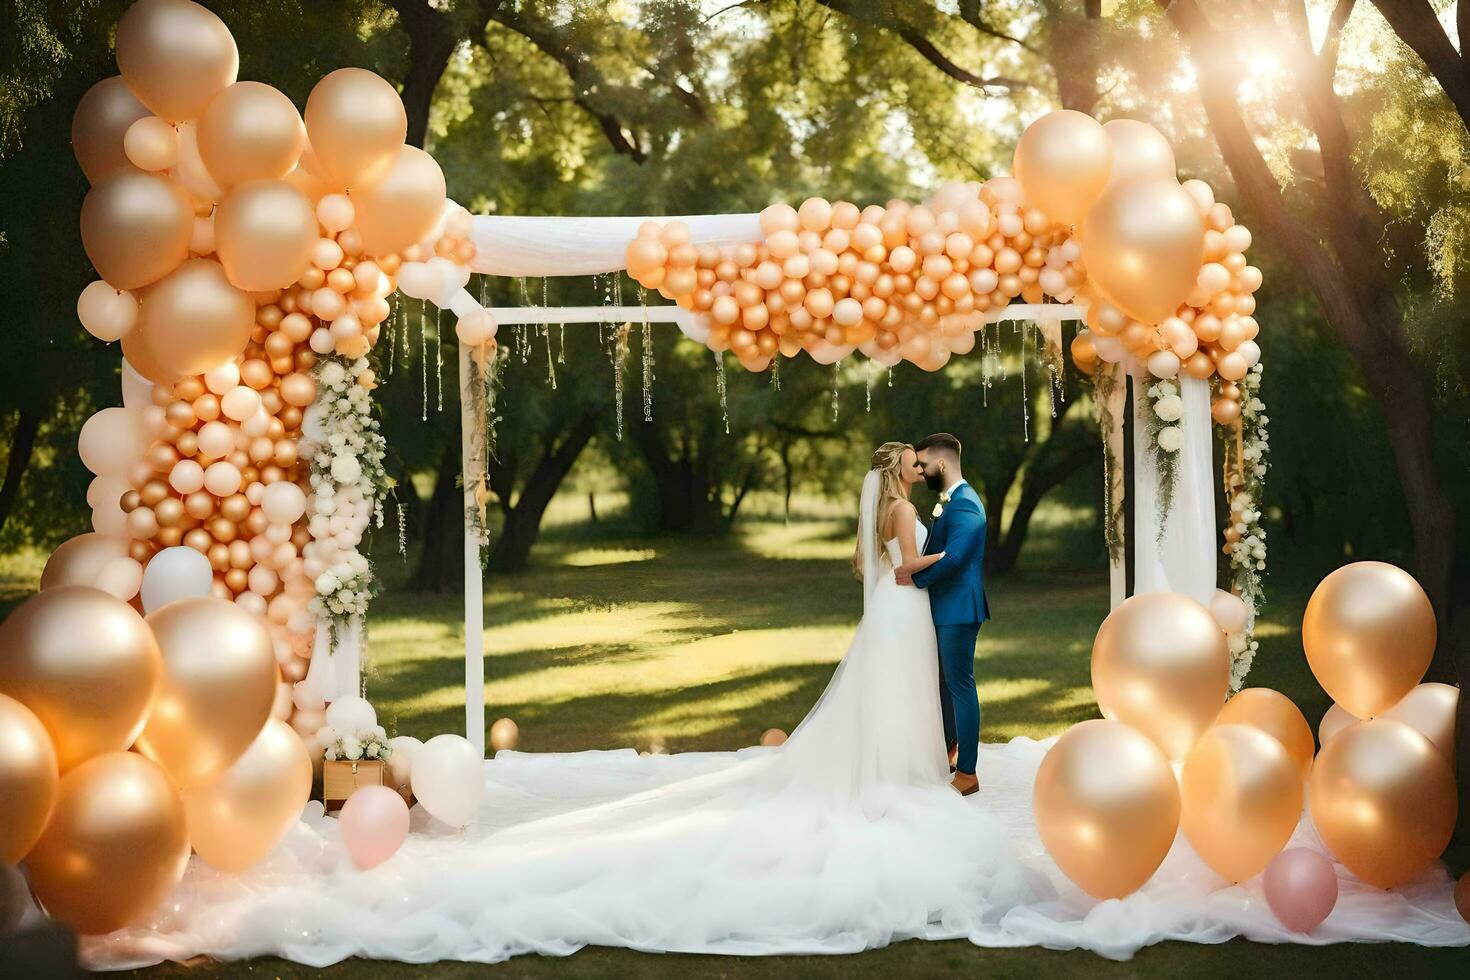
(956, 585)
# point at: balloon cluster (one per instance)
(243, 250)
(106, 832)
(896, 281)
(1382, 793)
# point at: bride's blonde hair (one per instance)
(887, 461)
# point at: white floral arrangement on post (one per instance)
(365, 744)
(1164, 408)
(1245, 538)
(348, 483)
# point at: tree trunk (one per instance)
(512, 550)
(22, 445)
(686, 499)
(1035, 485)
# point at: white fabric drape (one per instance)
(1182, 558)
(336, 672)
(512, 245)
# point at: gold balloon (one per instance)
(251, 131)
(86, 664)
(264, 232)
(356, 123)
(235, 819)
(504, 734)
(1430, 710)
(1063, 160)
(189, 171)
(136, 227)
(1241, 796)
(1369, 633)
(219, 682)
(1142, 244)
(1383, 800)
(1107, 807)
(79, 561)
(192, 322)
(1160, 664)
(1139, 150)
(1275, 714)
(28, 775)
(175, 55)
(115, 847)
(402, 206)
(103, 116)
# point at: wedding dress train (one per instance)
(845, 838)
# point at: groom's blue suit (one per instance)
(956, 585)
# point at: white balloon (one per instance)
(175, 573)
(351, 714)
(400, 763)
(137, 391)
(417, 280)
(1229, 611)
(448, 778)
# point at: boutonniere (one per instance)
(939, 507)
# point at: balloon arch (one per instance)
(248, 258)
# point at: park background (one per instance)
(681, 582)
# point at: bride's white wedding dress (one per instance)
(845, 838)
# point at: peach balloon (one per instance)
(1063, 160)
(250, 131)
(80, 560)
(1275, 714)
(101, 121)
(28, 776)
(236, 818)
(191, 321)
(112, 441)
(136, 227)
(402, 205)
(1334, 720)
(1140, 150)
(86, 663)
(107, 313)
(1142, 244)
(1430, 710)
(116, 845)
(357, 125)
(1369, 633)
(175, 55)
(151, 144)
(1383, 800)
(1241, 795)
(219, 681)
(190, 171)
(1160, 664)
(1107, 807)
(265, 232)
(374, 823)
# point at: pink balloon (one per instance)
(374, 824)
(1301, 888)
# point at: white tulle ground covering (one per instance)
(772, 879)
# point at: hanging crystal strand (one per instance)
(776, 372)
(561, 354)
(722, 389)
(890, 373)
(647, 349)
(393, 314)
(621, 350)
(439, 353)
(1022, 328)
(522, 330)
(836, 375)
(868, 387)
(546, 333)
(424, 355)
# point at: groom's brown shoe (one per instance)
(954, 756)
(966, 784)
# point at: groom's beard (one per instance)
(934, 481)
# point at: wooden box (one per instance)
(341, 777)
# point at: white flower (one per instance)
(371, 751)
(1171, 438)
(326, 583)
(346, 469)
(333, 374)
(351, 747)
(1169, 408)
(938, 509)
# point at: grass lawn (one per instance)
(682, 645)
